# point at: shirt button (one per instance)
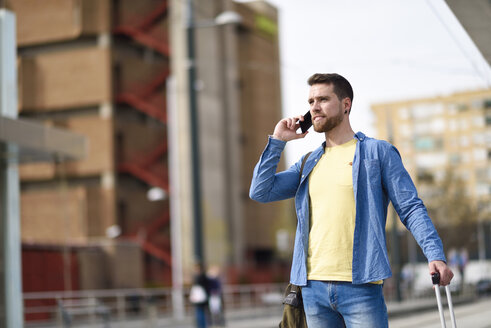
(303, 175)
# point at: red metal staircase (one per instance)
(148, 98)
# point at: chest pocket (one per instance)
(372, 167)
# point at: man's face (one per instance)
(326, 109)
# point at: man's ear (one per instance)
(347, 105)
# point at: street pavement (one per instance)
(473, 315)
(420, 314)
(409, 314)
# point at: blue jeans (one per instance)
(342, 304)
(201, 317)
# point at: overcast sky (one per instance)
(388, 50)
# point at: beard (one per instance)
(329, 123)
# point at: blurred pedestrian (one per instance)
(216, 297)
(463, 260)
(199, 296)
(453, 258)
(342, 191)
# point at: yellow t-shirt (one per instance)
(332, 215)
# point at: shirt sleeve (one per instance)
(269, 186)
(410, 208)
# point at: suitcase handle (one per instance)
(435, 278)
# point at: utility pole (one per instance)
(195, 148)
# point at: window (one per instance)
(483, 189)
(426, 110)
(478, 121)
(430, 160)
(452, 109)
(439, 175)
(428, 143)
(404, 113)
(453, 125)
(483, 174)
(463, 124)
(438, 125)
(425, 176)
(405, 130)
(422, 127)
(455, 158)
(480, 154)
(477, 103)
(464, 175)
(464, 141)
(406, 147)
(479, 139)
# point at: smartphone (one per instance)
(307, 122)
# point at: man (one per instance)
(341, 198)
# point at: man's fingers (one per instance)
(445, 272)
(286, 129)
(447, 276)
(293, 122)
(301, 135)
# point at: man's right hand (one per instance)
(286, 129)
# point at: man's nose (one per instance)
(316, 106)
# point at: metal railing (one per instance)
(68, 308)
(75, 308)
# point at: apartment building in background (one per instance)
(441, 139)
(116, 73)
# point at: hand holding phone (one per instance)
(306, 123)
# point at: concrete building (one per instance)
(239, 101)
(441, 138)
(116, 72)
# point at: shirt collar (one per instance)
(358, 135)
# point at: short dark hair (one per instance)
(342, 88)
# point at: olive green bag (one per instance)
(293, 313)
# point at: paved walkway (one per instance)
(269, 317)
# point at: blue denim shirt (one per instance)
(378, 177)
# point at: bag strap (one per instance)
(303, 163)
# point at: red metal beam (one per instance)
(153, 250)
(140, 31)
(146, 99)
(149, 177)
